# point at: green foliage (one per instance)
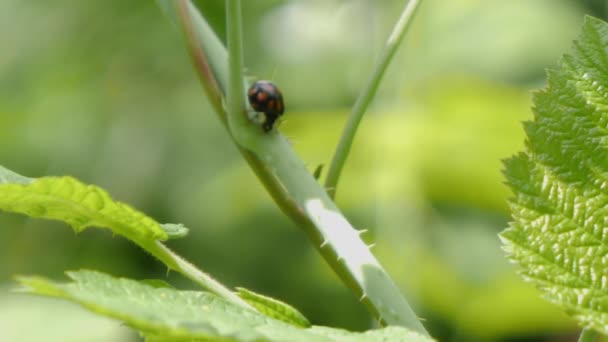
(560, 207)
(67, 199)
(104, 72)
(165, 314)
(274, 308)
(155, 308)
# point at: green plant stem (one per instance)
(235, 60)
(212, 69)
(236, 93)
(366, 96)
(588, 335)
(177, 263)
(288, 181)
(208, 66)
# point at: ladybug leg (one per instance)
(269, 123)
(267, 126)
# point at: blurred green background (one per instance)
(104, 91)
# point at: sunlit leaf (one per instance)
(80, 205)
(165, 314)
(560, 210)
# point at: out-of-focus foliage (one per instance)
(103, 91)
(54, 320)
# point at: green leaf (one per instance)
(157, 283)
(560, 210)
(274, 308)
(165, 314)
(29, 318)
(67, 199)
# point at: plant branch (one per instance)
(235, 63)
(209, 59)
(366, 96)
(290, 184)
(238, 121)
(180, 11)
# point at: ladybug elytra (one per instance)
(265, 97)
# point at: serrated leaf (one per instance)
(164, 314)
(274, 308)
(560, 230)
(67, 199)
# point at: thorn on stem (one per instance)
(317, 173)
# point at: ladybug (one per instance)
(265, 97)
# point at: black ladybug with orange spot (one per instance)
(265, 97)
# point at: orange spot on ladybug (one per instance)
(262, 96)
(271, 104)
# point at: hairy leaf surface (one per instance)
(80, 205)
(559, 233)
(166, 314)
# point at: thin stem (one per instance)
(177, 263)
(235, 96)
(208, 74)
(366, 96)
(588, 335)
